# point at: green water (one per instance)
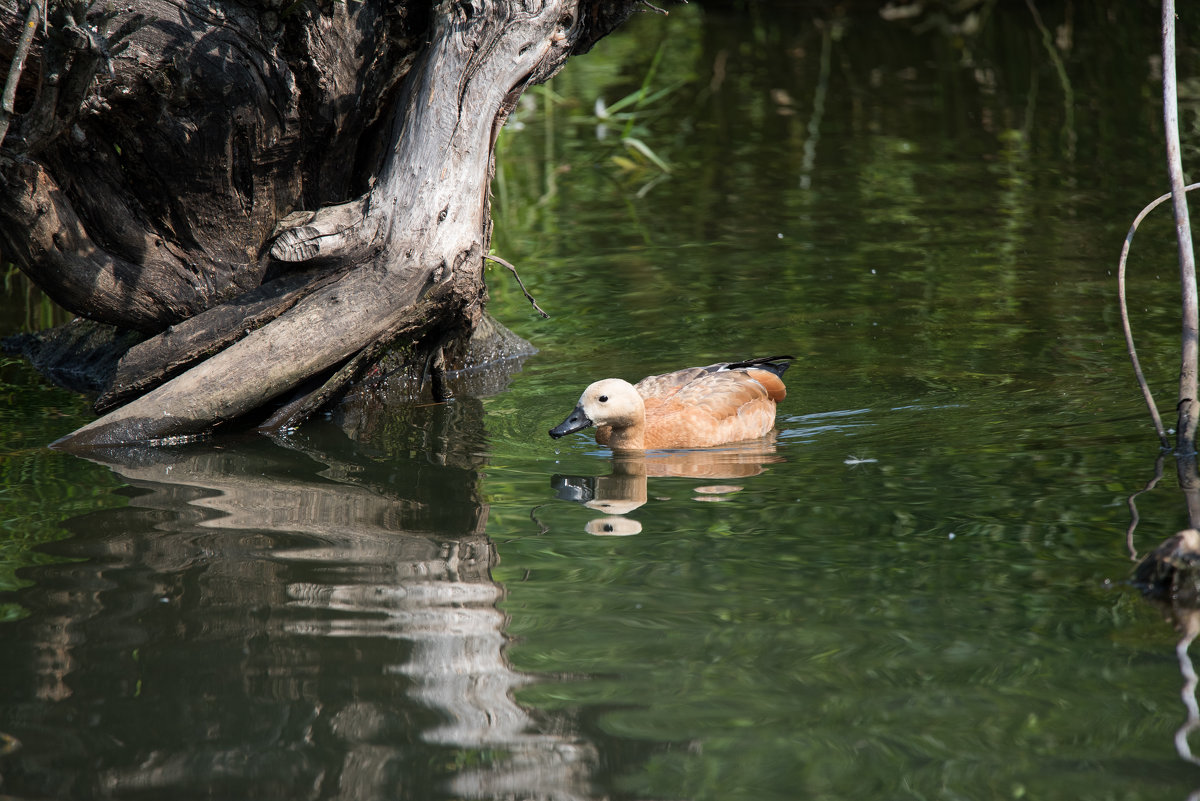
(916, 592)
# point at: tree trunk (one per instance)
(162, 192)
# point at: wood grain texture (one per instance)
(411, 246)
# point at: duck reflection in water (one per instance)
(627, 487)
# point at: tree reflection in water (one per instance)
(313, 618)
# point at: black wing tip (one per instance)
(774, 364)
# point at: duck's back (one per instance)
(705, 406)
(768, 371)
(667, 384)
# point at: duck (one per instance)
(697, 407)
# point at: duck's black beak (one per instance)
(576, 421)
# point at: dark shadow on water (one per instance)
(309, 618)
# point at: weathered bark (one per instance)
(144, 196)
(300, 114)
(155, 360)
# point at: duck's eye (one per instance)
(604, 399)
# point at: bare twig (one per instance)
(513, 270)
(1189, 367)
(1121, 295)
(8, 103)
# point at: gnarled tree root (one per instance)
(412, 249)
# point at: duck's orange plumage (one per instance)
(698, 407)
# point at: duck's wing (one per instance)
(773, 364)
(767, 370)
(713, 409)
(725, 393)
(663, 386)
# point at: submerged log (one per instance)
(1171, 572)
(381, 118)
(81, 355)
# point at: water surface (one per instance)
(915, 590)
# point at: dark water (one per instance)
(916, 591)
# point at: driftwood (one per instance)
(380, 117)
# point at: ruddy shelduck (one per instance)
(699, 407)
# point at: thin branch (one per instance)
(513, 270)
(8, 103)
(1137, 367)
(1189, 367)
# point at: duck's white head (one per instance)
(611, 402)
